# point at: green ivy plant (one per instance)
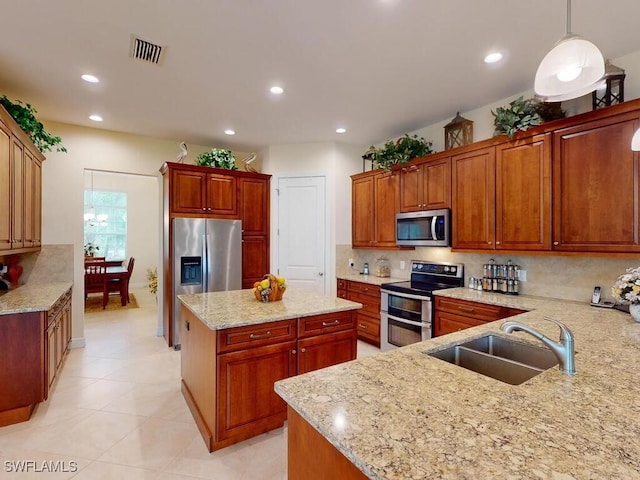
(520, 115)
(399, 152)
(25, 117)
(218, 158)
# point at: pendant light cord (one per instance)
(568, 17)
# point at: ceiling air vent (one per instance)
(146, 51)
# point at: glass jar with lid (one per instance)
(383, 267)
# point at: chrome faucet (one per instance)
(564, 349)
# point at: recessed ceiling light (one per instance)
(493, 57)
(228, 131)
(95, 118)
(276, 90)
(90, 78)
(341, 130)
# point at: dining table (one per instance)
(120, 272)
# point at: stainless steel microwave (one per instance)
(428, 228)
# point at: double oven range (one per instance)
(406, 314)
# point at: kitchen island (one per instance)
(234, 348)
(404, 414)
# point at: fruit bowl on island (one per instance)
(270, 289)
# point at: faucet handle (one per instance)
(565, 333)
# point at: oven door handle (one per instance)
(406, 295)
(410, 322)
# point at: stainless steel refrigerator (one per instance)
(207, 257)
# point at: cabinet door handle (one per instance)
(467, 309)
(186, 324)
(254, 336)
(363, 326)
(331, 324)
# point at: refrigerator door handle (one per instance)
(205, 263)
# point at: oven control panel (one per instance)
(437, 268)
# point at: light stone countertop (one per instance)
(405, 415)
(37, 297)
(235, 308)
(371, 279)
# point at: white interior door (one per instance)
(301, 232)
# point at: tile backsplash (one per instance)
(562, 277)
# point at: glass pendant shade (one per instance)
(635, 141)
(574, 67)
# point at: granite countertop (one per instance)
(38, 297)
(371, 279)
(235, 308)
(405, 415)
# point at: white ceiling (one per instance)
(379, 68)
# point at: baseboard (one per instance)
(77, 343)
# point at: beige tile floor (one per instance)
(116, 412)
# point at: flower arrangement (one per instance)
(152, 278)
(627, 287)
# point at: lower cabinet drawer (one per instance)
(370, 304)
(239, 338)
(368, 328)
(479, 311)
(450, 322)
(327, 323)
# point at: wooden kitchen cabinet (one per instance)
(248, 402)
(368, 317)
(523, 194)
(203, 193)
(254, 213)
(425, 184)
(452, 315)
(33, 357)
(596, 195)
(502, 196)
(228, 374)
(473, 191)
(20, 189)
(375, 202)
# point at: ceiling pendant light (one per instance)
(90, 217)
(574, 67)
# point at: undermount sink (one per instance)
(497, 357)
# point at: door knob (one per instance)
(321, 273)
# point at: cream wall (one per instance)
(63, 185)
(335, 162)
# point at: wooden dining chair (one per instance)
(116, 285)
(95, 280)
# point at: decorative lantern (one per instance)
(612, 91)
(368, 157)
(458, 132)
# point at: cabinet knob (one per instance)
(303, 350)
(489, 242)
(556, 243)
(497, 243)
(293, 352)
(204, 208)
